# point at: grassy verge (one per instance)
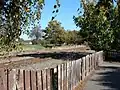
(32, 47)
(24, 48)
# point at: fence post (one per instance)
(100, 57)
(3, 79)
(87, 65)
(83, 68)
(54, 78)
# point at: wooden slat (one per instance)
(59, 77)
(88, 65)
(20, 81)
(73, 74)
(56, 76)
(97, 61)
(27, 80)
(33, 80)
(36, 73)
(75, 71)
(83, 68)
(44, 79)
(89, 62)
(92, 61)
(63, 70)
(64, 77)
(12, 79)
(52, 78)
(39, 85)
(80, 70)
(3, 79)
(77, 68)
(48, 80)
(69, 77)
(68, 74)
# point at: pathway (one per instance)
(106, 78)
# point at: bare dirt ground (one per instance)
(42, 59)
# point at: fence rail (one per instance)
(63, 77)
(113, 55)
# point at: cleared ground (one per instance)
(42, 59)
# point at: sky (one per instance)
(65, 16)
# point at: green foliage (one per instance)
(36, 34)
(16, 17)
(98, 25)
(73, 37)
(55, 34)
(29, 47)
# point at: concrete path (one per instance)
(106, 78)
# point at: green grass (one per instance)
(32, 47)
(25, 47)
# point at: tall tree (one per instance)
(55, 33)
(16, 16)
(98, 26)
(36, 33)
(72, 37)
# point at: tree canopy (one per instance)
(55, 33)
(100, 24)
(36, 33)
(16, 16)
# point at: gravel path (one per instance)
(106, 78)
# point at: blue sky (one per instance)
(65, 16)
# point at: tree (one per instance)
(36, 34)
(55, 33)
(72, 37)
(98, 26)
(16, 16)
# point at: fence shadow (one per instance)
(110, 78)
(57, 55)
(113, 56)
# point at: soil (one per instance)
(42, 59)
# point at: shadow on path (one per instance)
(109, 78)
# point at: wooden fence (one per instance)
(63, 77)
(112, 55)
